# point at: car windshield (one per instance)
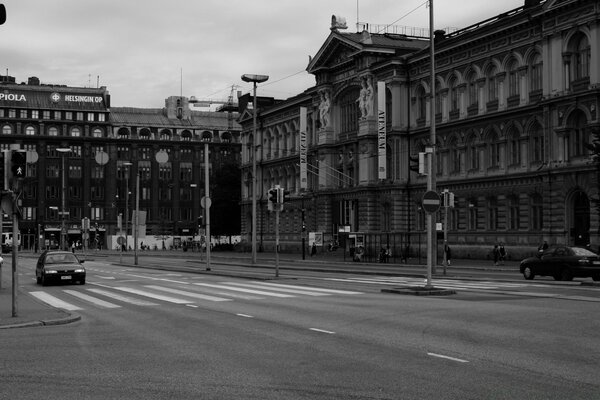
(66, 258)
(579, 251)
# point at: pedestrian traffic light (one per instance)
(18, 164)
(285, 195)
(414, 163)
(200, 222)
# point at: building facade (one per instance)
(88, 156)
(515, 105)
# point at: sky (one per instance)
(144, 51)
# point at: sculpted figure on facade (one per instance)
(365, 98)
(324, 108)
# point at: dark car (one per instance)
(59, 266)
(563, 263)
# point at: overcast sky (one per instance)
(144, 51)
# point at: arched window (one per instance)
(97, 133)
(535, 74)
(349, 112)
(473, 90)
(582, 57)
(123, 133)
(421, 103)
(578, 135)
(7, 130)
(454, 156)
(165, 134)
(492, 84)
(438, 98)
(75, 132)
(53, 131)
(514, 217)
(513, 79)
(536, 141)
(30, 130)
(472, 153)
(453, 95)
(493, 151)
(492, 219)
(186, 136)
(144, 133)
(514, 147)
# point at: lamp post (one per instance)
(63, 229)
(126, 164)
(254, 79)
(207, 202)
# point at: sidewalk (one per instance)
(31, 312)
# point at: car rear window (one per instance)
(579, 251)
(66, 258)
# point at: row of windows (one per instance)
(473, 215)
(186, 214)
(53, 115)
(576, 65)
(32, 130)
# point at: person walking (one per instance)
(496, 254)
(448, 254)
(313, 250)
(502, 253)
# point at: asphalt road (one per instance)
(157, 334)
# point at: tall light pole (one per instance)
(431, 181)
(126, 164)
(207, 201)
(254, 79)
(63, 212)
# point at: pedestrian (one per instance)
(448, 254)
(496, 254)
(382, 255)
(73, 247)
(543, 247)
(388, 254)
(502, 253)
(313, 250)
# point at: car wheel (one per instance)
(528, 273)
(565, 275)
(82, 281)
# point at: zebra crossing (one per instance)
(116, 296)
(441, 283)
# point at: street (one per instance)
(155, 334)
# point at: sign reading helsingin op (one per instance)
(381, 134)
(303, 150)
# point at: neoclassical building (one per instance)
(515, 105)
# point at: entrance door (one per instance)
(580, 231)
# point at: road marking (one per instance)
(153, 295)
(90, 299)
(188, 294)
(447, 357)
(192, 305)
(322, 331)
(54, 302)
(244, 290)
(244, 315)
(125, 299)
(312, 289)
(279, 289)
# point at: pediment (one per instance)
(337, 50)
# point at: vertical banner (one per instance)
(381, 136)
(303, 150)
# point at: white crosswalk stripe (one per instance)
(212, 292)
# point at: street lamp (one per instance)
(207, 201)
(63, 229)
(254, 79)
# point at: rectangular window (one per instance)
(12, 113)
(97, 213)
(101, 117)
(57, 115)
(23, 114)
(97, 172)
(46, 114)
(35, 114)
(97, 192)
(68, 115)
(79, 116)
(90, 117)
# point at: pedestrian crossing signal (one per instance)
(19, 164)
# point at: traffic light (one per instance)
(282, 195)
(19, 164)
(273, 196)
(200, 221)
(414, 163)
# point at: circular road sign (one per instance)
(431, 201)
(205, 202)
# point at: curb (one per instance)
(49, 322)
